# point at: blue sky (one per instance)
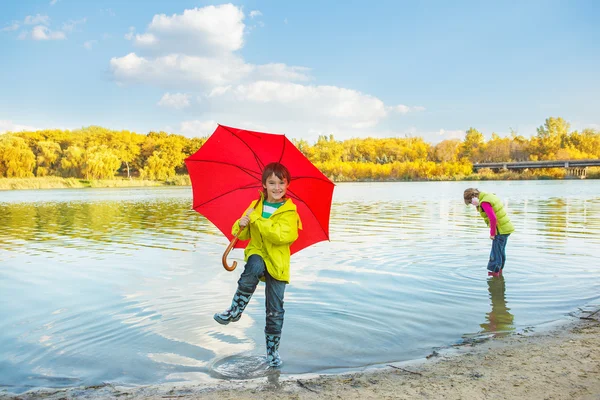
(352, 69)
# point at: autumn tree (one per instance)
(47, 154)
(497, 149)
(551, 137)
(16, 158)
(447, 150)
(101, 163)
(72, 163)
(165, 157)
(327, 149)
(472, 145)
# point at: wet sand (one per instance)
(561, 363)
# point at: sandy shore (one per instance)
(562, 363)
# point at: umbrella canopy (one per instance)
(226, 176)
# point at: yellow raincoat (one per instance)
(271, 237)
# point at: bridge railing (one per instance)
(538, 164)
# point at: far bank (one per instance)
(55, 182)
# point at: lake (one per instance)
(120, 285)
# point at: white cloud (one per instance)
(196, 47)
(89, 44)
(296, 102)
(200, 31)
(278, 71)
(129, 35)
(41, 32)
(13, 27)
(147, 39)
(192, 53)
(197, 128)
(9, 126)
(179, 70)
(175, 100)
(402, 109)
(53, 2)
(452, 134)
(255, 14)
(219, 91)
(72, 24)
(36, 19)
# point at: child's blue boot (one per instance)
(273, 350)
(234, 312)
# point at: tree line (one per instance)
(99, 153)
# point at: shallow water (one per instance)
(120, 285)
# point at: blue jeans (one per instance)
(498, 253)
(255, 268)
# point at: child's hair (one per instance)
(469, 194)
(279, 170)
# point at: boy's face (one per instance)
(276, 188)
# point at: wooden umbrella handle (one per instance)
(233, 242)
(227, 250)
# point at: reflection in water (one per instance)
(499, 320)
(120, 286)
(83, 224)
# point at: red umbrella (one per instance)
(226, 176)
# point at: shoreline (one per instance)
(45, 183)
(561, 362)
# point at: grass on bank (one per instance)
(56, 182)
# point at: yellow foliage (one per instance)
(96, 152)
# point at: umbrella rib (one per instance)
(226, 193)
(294, 196)
(258, 160)
(282, 149)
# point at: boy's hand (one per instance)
(492, 237)
(245, 220)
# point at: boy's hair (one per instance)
(469, 194)
(279, 170)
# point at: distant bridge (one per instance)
(575, 167)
